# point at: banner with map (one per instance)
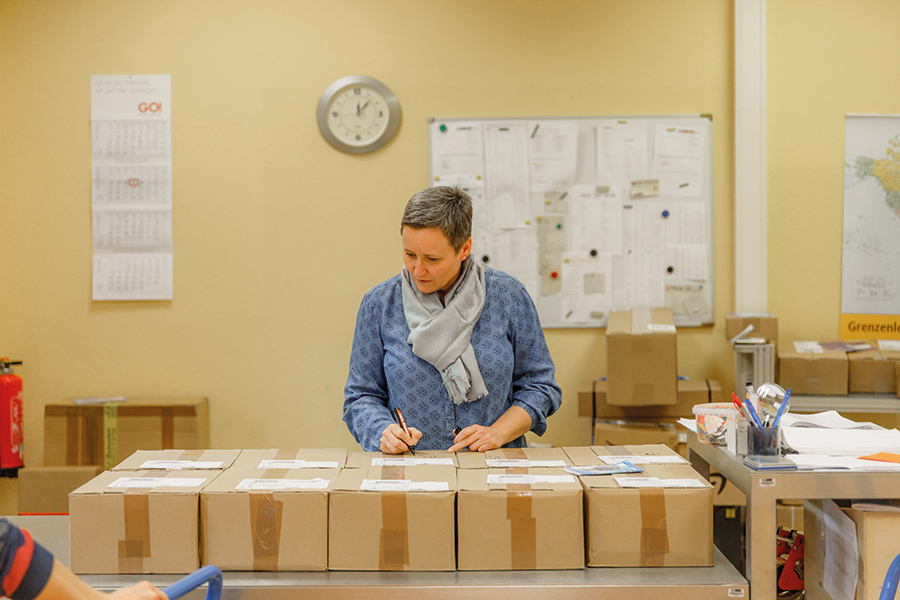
(870, 273)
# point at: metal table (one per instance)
(763, 488)
(697, 583)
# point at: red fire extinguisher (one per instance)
(12, 448)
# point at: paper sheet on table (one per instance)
(829, 419)
(553, 149)
(841, 569)
(678, 160)
(841, 442)
(595, 218)
(506, 173)
(887, 457)
(690, 424)
(586, 287)
(824, 461)
(622, 155)
(457, 149)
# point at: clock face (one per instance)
(358, 114)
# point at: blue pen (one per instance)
(752, 413)
(783, 407)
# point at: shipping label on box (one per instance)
(642, 358)
(662, 517)
(422, 458)
(137, 522)
(506, 458)
(824, 372)
(178, 460)
(637, 454)
(74, 435)
(45, 490)
(519, 519)
(393, 518)
(266, 519)
(306, 458)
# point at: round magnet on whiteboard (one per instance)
(670, 269)
(546, 200)
(485, 258)
(665, 214)
(478, 176)
(554, 275)
(559, 225)
(437, 177)
(443, 128)
(566, 259)
(528, 221)
(593, 253)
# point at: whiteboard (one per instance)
(591, 214)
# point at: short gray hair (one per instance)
(442, 207)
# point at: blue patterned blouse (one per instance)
(510, 348)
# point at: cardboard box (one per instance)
(635, 433)
(765, 327)
(393, 518)
(45, 490)
(307, 458)
(73, 435)
(176, 460)
(825, 373)
(641, 358)
(9, 495)
(514, 457)
(725, 492)
(592, 401)
(137, 522)
(649, 526)
(266, 520)
(519, 519)
(789, 516)
(364, 460)
(638, 454)
(873, 371)
(878, 539)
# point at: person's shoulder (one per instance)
(385, 289)
(503, 281)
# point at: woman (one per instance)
(456, 346)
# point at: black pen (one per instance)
(399, 417)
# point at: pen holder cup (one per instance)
(763, 441)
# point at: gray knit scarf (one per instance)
(440, 333)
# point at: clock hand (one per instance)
(357, 109)
(364, 105)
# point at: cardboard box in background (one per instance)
(592, 401)
(873, 371)
(789, 516)
(763, 326)
(393, 530)
(519, 519)
(825, 373)
(638, 433)
(641, 357)
(150, 526)
(514, 457)
(45, 490)
(649, 526)
(364, 460)
(73, 435)
(9, 495)
(307, 458)
(878, 538)
(175, 460)
(266, 520)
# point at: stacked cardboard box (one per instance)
(45, 490)
(641, 358)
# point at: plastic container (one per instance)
(712, 421)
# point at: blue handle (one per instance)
(752, 413)
(889, 589)
(210, 573)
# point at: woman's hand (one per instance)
(395, 441)
(478, 438)
(142, 591)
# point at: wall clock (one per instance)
(358, 114)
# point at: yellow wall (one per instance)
(278, 235)
(826, 58)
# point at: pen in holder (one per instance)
(763, 441)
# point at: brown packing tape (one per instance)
(514, 453)
(72, 432)
(136, 545)
(265, 530)
(615, 451)
(167, 413)
(522, 524)
(286, 454)
(191, 455)
(156, 411)
(393, 548)
(654, 532)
